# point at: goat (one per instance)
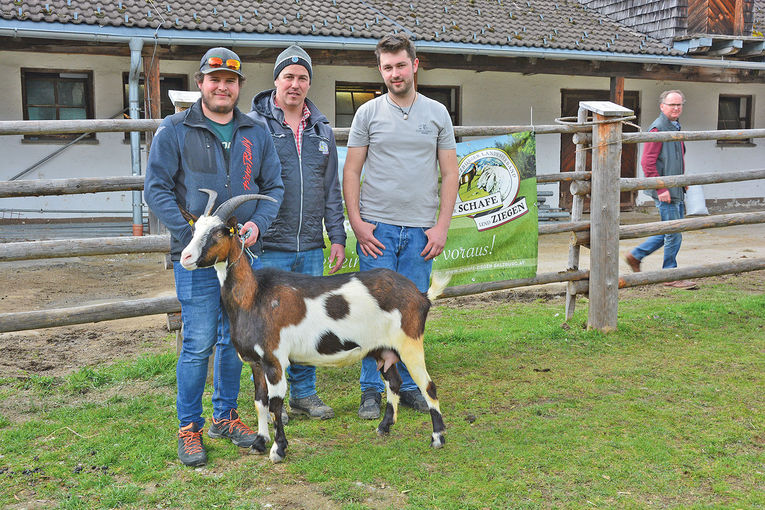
(278, 318)
(467, 177)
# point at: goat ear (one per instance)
(231, 222)
(187, 215)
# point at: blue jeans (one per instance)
(674, 210)
(403, 246)
(302, 378)
(205, 325)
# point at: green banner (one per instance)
(493, 234)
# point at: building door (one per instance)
(569, 107)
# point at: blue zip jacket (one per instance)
(186, 156)
(312, 198)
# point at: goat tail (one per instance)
(437, 285)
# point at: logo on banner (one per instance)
(489, 183)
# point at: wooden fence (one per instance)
(598, 128)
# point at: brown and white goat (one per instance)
(278, 318)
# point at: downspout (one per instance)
(136, 45)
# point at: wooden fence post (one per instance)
(604, 213)
(577, 207)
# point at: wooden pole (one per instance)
(30, 250)
(604, 214)
(577, 208)
(151, 95)
(690, 136)
(617, 90)
(683, 225)
(19, 321)
(540, 279)
(673, 181)
(44, 187)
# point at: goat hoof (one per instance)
(259, 446)
(275, 455)
(438, 440)
(382, 432)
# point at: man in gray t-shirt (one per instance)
(401, 139)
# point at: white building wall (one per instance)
(487, 98)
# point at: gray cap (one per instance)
(225, 55)
(293, 55)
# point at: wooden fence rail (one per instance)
(77, 186)
(684, 225)
(605, 136)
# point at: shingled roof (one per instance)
(543, 24)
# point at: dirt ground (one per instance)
(60, 283)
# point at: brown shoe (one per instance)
(632, 262)
(682, 284)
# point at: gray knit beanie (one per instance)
(293, 55)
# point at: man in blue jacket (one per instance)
(312, 199)
(215, 146)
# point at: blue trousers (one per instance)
(674, 210)
(403, 246)
(205, 325)
(302, 378)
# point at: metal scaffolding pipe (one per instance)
(135, 137)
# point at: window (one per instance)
(166, 82)
(350, 96)
(57, 95)
(447, 96)
(734, 112)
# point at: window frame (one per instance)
(747, 120)
(379, 89)
(89, 101)
(142, 96)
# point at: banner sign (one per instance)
(493, 233)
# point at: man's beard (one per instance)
(220, 108)
(404, 92)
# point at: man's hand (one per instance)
(253, 231)
(664, 196)
(436, 242)
(336, 255)
(368, 243)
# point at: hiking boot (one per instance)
(232, 428)
(632, 262)
(370, 404)
(191, 451)
(415, 400)
(312, 406)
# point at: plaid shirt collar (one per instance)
(301, 125)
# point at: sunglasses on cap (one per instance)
(230, 63)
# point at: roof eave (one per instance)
(93, 33)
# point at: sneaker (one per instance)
(415, 400)
(632, 262)
(191, 451)
(312, 406)
(370, 404)
(233, 429)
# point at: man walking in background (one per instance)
(661, 159)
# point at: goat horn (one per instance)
(226, 209)
(210, 201)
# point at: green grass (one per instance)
(667, 412)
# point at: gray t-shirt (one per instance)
(400, 184)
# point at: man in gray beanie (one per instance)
(295, 241)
